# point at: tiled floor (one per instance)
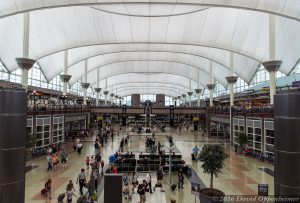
(240, 175)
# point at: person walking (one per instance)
(63, 158)
(49, 162)
(48, 188)
(91, 187)
(96, 146)
(81, 179)
(102, 166)
(87, 162)
(70, 186)
(142, 191)
(95, 174)
(160, 176)
(148, 180)
(126, 180)
(70, 194)
(180, 178)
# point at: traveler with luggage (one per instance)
(180, 178)
(160, 177)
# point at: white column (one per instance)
(105, 101)
(211, 89)
(26, 23)
(211, 103)
(272, 86)
(97, 86)
(198, 88)
(272, 55)
(65, 84)
(231, 85)
(85, 81)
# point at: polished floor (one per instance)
(240, 176)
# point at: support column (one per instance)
(85, 85)
(111, 98)
(231, 81)
(24, 62)
(116, 97)
(287, 145)
(190, 98)
(105, 95)
(65, 78)
(272, 65)
(13, 110)
(97, 90)
(198, 92)
(179, 99)
(183, 99)
(211, 88)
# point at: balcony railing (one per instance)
(57, 109)
(255, 111)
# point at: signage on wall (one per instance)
(263, 189)
(195, 188)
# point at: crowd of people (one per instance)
(88, 176)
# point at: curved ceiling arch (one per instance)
(147, 43)
(130, 91)
(147, 51)
(237, 5)
(148, 91)
(91, 72)
(201, 54)
(145, 88)
(144, 57)
(178, 86)
(143, 73)
(132, 78)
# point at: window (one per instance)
(168, 101)
(3, 72)
(126, 101)
(150, 97)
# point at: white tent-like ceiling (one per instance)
(137, 44)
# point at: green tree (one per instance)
(242, 140)
(212, 158)
(30, 139)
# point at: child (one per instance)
(87, 161)
(48, 188)
(102, 165)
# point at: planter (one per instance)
(240, 150)
(209, 195)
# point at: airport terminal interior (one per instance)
(149, 101)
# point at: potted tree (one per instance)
(212, 158)
(242, 140)
(30, 143)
